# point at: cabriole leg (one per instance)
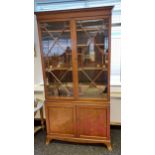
(109, 147)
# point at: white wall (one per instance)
(115, 107)
(38, 78)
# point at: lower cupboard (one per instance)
(78, 122)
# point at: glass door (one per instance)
(92, 54)
(57, 55)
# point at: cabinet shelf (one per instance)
(78, 30)
(84, 45)
(79, 69)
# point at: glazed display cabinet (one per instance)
(75, 50)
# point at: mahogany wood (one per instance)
(92, 121)
(74, 57)
(61, 119)
(74, 13)
(75, 119)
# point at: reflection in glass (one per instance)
(56, 45)
(92, 51)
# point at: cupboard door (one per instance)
(61, 120)
(92, 121)
(92, 54)
(57, 58)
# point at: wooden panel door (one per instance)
(60, 120)
(92, 121)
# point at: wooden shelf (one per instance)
(78, 30)
(83, 45)
(90, 29)
(92, 68)
(71, 53)
(79, 69)
(58, 68)
(55, 31)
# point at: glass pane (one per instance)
(92, 51)
(57, 53)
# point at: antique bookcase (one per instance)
(75, 53)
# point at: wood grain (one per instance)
(75, 119)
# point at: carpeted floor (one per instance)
(65, 148)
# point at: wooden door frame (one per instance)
(74, 56)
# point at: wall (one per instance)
(37, 60)
(115, 91)
(115, 107)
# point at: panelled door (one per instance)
(92, 58)
(92, 121)
(57, 58)
(60, 119)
